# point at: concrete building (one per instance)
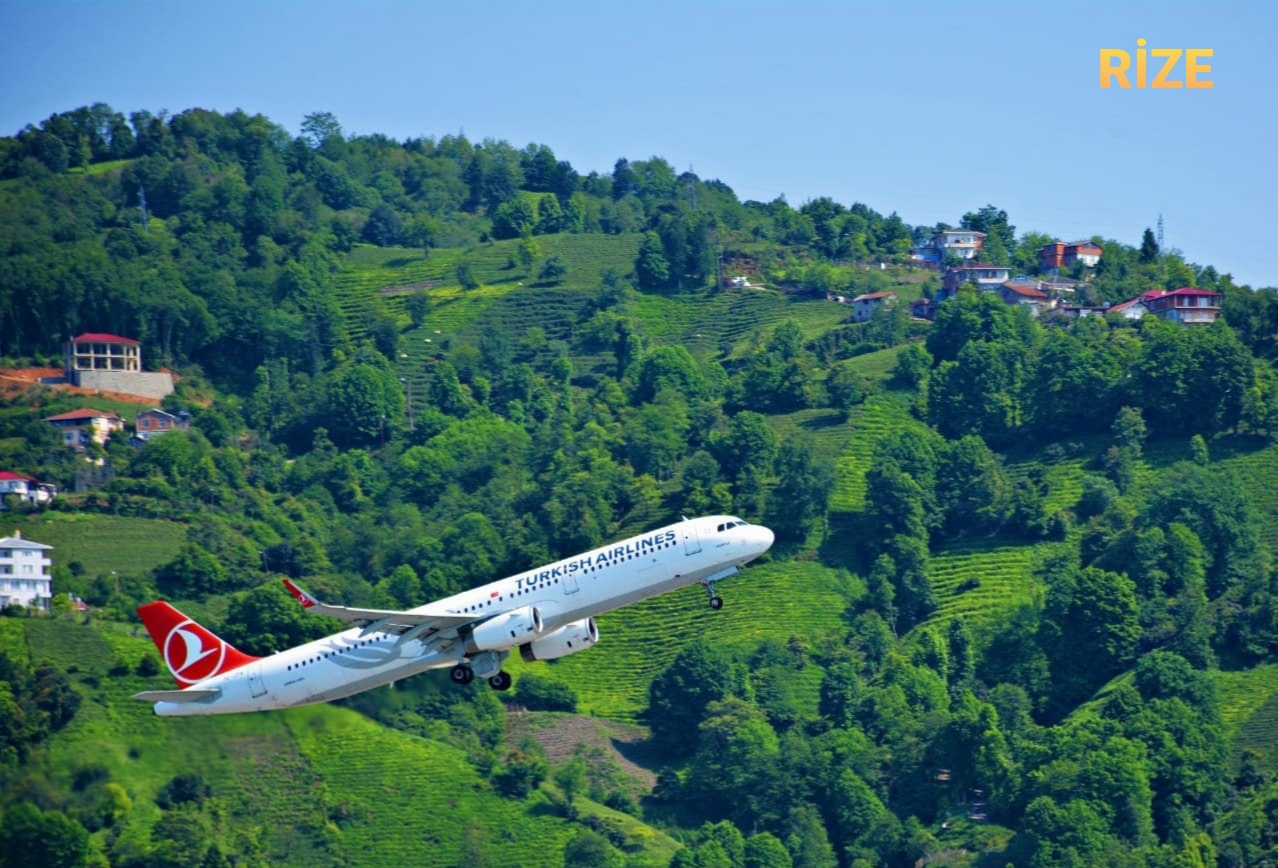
(110, 363)
(24, 573)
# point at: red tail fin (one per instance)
(193, 653)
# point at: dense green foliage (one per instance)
(417, 366)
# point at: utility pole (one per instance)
(409, 384)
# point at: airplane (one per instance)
(546, 613)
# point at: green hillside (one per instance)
(320, 785)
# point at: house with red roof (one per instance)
(1187, 305)
(1026, 292)
(98, 351)
(97, 360)
(84, 426)
(25, 487)
(864, 306)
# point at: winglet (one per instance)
(307, 601)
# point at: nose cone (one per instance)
(761, 539)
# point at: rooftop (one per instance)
(103, 338)
(83, 414)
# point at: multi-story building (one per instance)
(1063, 254)
(1186, 305)
(24, 573)
(963, 243)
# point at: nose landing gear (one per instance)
(716, 602)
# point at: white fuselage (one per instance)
(565, 591)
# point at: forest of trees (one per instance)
(215, 239)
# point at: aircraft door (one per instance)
(257, 687)
(691, 542)
(569, 585)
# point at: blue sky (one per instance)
(929, 109)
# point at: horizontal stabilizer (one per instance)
(190, 695)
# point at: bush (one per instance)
(538, 693)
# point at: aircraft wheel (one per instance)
(462, 674)
(716, 603)
(501, 681)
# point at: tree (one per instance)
(362, 401)
(1148, 247)
(807, 477)
(418, 305)
(677, 698)
(383, 227)
(466, 275)
(765, 850)
(571, 780)
(553, 270)
(993, 222)
(318, 128)
(29, 836)
(651, 267)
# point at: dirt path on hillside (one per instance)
(16, 381)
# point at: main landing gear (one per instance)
(463, 675)
(716, 602)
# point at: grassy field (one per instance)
(103, 543)
(771, 600)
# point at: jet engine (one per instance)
(568, 639)
(505, 630)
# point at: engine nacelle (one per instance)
(505, 630)
(568, 639)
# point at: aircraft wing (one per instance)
(191, 694)
(422, 620)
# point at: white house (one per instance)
(24, 573)
(26, 487)
(864, 306)
(963, 243)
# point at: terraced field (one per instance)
(636, 644)
(1004, 573)
(829, 428)
(1064, 480)
(730, 322)
(370, 275)
(104, 542)
(1259, 473)
(875, 366)
(1249, 705)
(879, 415)
(406, 797)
